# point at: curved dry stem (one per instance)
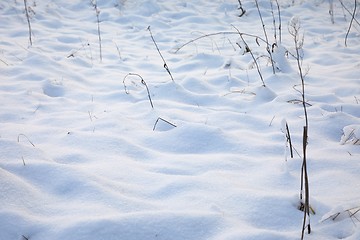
(142, 82)
(21, 134)
(221, 33)
(351, 22)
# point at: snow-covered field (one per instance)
(83, 155)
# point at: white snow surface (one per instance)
(81, 158)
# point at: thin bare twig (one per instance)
(252, 55)
(288, 137)
(294, 30)
(221, 33)
(299, 41)
(351, 14)
(349, 211)
(271, 121)
(306, 220)
(28, 21)
(274, 21)
(4, 62)
(18, 139)
(97, 11)
(25, 238)
(118, 50)
(331, 11)
(279, 16)
(21, 134)
(142, 82)
(243, 11)
(157, 48)
(351, 22)
(266, 37)
(159, 118)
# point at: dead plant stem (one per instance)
(252, 55)
(266, 36)
(157, 48)
(28, 21)
(351, 22)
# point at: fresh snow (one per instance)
(83, 155)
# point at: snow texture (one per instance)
(83, 155)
